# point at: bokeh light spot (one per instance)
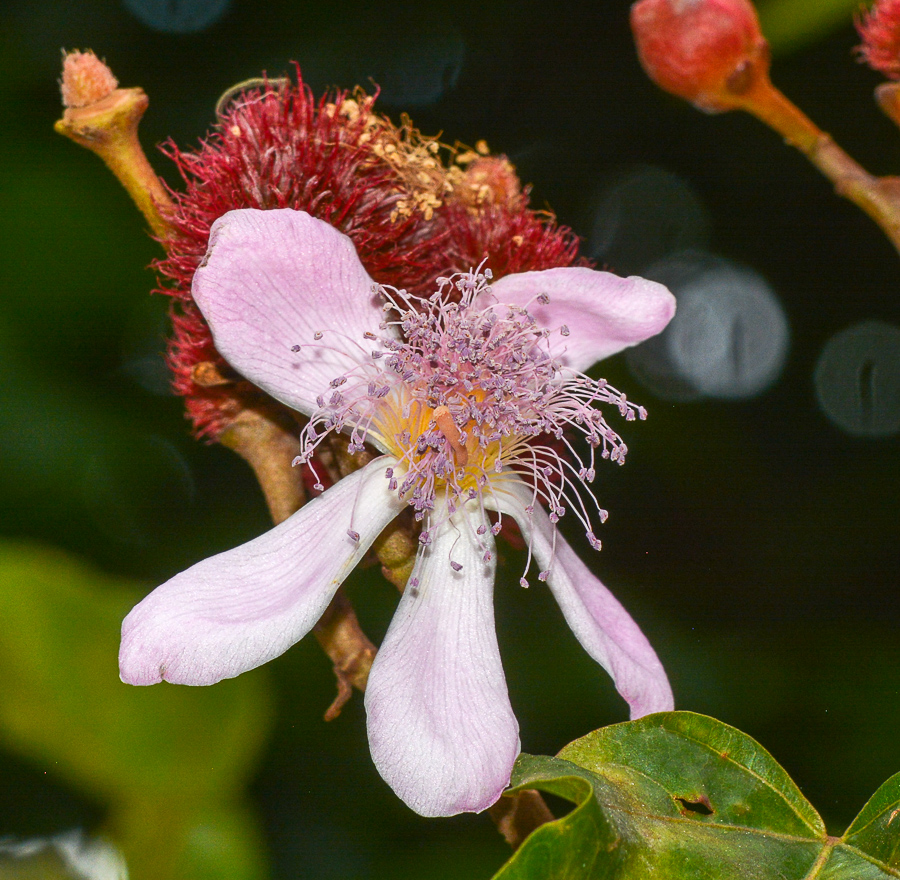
(643, 216)
(728, 339)
(177, 16)
(857, 379)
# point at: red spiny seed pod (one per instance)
(706, 51)
(274, 147)
(487, 216)
(411, 218)
(879, 29)
(512, 239)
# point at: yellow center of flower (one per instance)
(464, 394)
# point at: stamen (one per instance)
(465, 397)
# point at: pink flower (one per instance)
(460, 392)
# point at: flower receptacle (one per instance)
(108, 126)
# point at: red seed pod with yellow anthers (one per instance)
(411, 215)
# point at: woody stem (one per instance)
(269, 444)
(109, 129)
(879, 197)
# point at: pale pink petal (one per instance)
(594, 615)
(238, 610)
(274, 279)
(441, 729)
(602, 312)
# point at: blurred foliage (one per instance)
(792, 24)
(68, 856)
(682, 795)
(171, 763)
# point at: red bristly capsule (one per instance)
(707, 51)
(880, 32)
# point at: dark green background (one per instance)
(756, 543)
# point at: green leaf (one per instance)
(171, 762)
(875, 831)
(172, 839)
(680, 795)
(581, 844)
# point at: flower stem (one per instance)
(879, 197)
(269, 444)
(517, 815)
(341, 637)
(109, 129)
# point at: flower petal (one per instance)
(603, 312)
(272, 280)
(240, 609)
(595, 616)
(441, 729)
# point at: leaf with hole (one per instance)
(680, 795)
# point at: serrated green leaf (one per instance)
(680, 795)
(694, 759)
(581, 844)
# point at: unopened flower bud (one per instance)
(708, 51)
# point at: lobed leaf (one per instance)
(680, 795)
